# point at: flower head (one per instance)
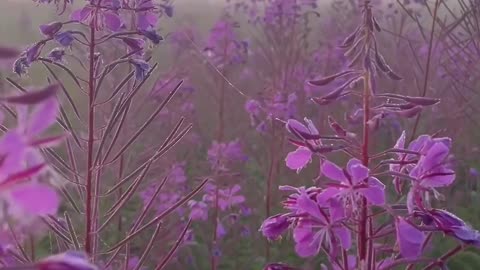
(275, 226)
(352, 181)
(49, 30)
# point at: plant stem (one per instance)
(91, 124)
(268, 197)
(444, 258)
(362, 237)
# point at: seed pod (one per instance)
(331, 78)
(34, 96)
(348, 41)
(409, 113)
(423, 101)
(336, 127)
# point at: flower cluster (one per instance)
(25, 175)
(324, 217)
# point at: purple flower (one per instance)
(104, 17)
(429, 173)
(65, 38)
(147, 19)
(21, 65)
(473, 172)
(227, 197)
(141, 69)
(221, 232)
(49, 30)
(56, 54)
(66, 261)
(316, 226)
(177, 173)
(198, 210)
(299, 158)
(273, 227)
(134, 44)
(33, 52)
(253, 107)
(352, 181)
(409, 239)
(450, 224)
(221, 154)
(22, 161)
(152, 35)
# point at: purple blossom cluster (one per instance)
(135, 198)
(325, 216)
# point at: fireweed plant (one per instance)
(111, 78)
(224, 51)
(348, 216)
(280, 36)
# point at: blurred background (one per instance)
(265, 63)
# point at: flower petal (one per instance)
(375, 193)
(34, 199)
(298, 159)
(344, 236)
(307, 243)
(333, 172)
(44, 115)
(357, 170)
(409, 238)
(112, 21)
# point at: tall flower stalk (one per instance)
(324, 217)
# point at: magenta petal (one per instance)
(293, 124)
(44, 115)
(81, 15)
(375, 193)
(356, 169)
(337, 211)
(236, 188)
(12, 148)
(298, 159)
(327, 194)
(112, 21)
(237, 199)
(307, 243)
(410, 239)
(435, 156)
(344, 236)
(333, 172)
(305, 204)
(35, 199)
(443, 177)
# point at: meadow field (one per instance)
(239, 134)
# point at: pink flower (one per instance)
(350, 182)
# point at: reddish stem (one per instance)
(268, 197)
(362, 237)
(91, 123)
(444, 258)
